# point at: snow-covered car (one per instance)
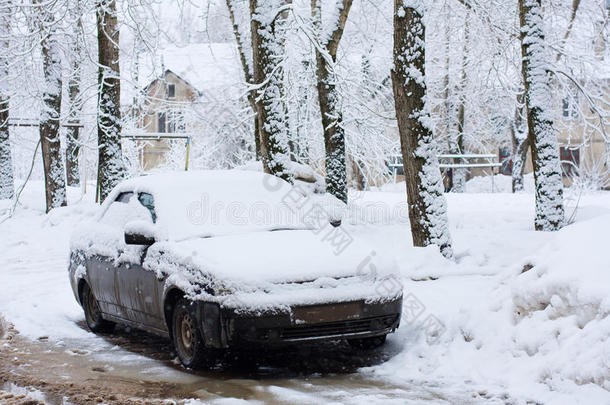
(219, 259)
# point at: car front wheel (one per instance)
(93, 315)
(187, 338)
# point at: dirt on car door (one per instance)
(140, 293)
(101, 273)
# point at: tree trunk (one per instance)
(267, 26)
(111, 167)
(427, 205)
(7, 185)
(247, 68)
(359, 181)
(328, 99)
(302, 129)
(72, 132)
(520, 146)
(55, 185)
(541, 134)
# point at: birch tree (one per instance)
(267, 21)
(111, 167)
(55, 185)
(427, 205)
(541, 134)
(6, 163)
(328, 96)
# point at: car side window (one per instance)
(148, 201)
(124, 197)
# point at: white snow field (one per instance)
(517, 317)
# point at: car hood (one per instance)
(277, 257)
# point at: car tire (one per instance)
(187, 338)
(368, 343)
(93, 315)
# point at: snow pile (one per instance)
(562, 305)
(537, 327)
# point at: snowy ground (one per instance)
(519, 316)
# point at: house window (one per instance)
(180, 121)
(505, 158)
(570, 160)
(161, 122)
(570, 107)
(395, 166)
(175, 121)
(171, 90)
(171, 123)
(566, 107)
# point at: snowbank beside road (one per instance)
(537, 328)
(562, 305)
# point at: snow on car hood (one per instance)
(283, 256)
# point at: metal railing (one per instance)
(464, 161)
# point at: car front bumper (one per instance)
(350, 320)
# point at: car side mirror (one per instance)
(139, 233)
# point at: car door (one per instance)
(139, 289)
(100, 267)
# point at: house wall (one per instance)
(154, 153)
(579, 133)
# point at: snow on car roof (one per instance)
(214, 202)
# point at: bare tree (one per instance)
(459, 174)
(75, 102)
(7, 187)
(541, 134)
(520, 145)
(450, 110)
(267, 30)
(328, 96)
(55, 185)
(111, 167)
(427, 205)
(246, 64)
